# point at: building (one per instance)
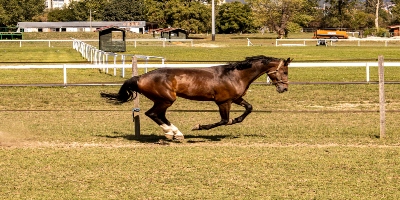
(171, 33)
(50, 4)
(80, 26)
(394, 30)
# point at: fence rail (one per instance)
(135, 42)
(289, 42)
(105, 67)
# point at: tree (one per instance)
(79, 11)
(395, 12)
(125, 10)
(192, 16)
(339, 13)
(4, 17)
(276, 14)
(235, 17)
(307, 16)
(14, 11)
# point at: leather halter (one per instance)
(276, 71)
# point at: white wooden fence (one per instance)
(295, 42)
(135, 42)
(100, 60)
(367, 66)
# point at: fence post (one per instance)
(105, 61)
(115, 64)
(123, 65)
(65, 75)
(146, 61)
(136, 109)
(367, 71)
(381, 97)
(248, 42)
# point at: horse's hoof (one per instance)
(179, 137)
(169, 136)
(196, 127)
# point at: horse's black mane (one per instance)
(247, 63)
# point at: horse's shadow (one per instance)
(160, 139)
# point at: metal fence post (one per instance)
(136, 109)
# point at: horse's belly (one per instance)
(200, 96)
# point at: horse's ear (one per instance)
(288, 61)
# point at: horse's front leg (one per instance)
(224, 109)
(247, 106)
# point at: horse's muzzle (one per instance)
(281, 88)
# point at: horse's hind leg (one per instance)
(248, 110)
(157, 114)
(168, 127)
(224, 109)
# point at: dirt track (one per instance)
(18, 141)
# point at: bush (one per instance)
(380, 32)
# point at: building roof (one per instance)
(167, 29)
(109, 28)
(394, 26)
(80, 24)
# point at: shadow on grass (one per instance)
(160, 139)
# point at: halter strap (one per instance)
(277, 69)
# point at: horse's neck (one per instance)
(256, 72)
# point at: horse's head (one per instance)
(279, 74)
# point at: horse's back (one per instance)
(191, 74)
(190, 83)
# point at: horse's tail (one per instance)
(127, 92)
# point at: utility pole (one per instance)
(90, 19)
(377, 15)
(213, 21)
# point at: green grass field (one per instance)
(312, 142)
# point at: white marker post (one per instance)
(381, 96)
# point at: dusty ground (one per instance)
(18, 141)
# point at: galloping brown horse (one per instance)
(225, 84)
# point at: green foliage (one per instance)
(125, 10)
(395, 12)
(79, 11)
(235, 17)
(4, 17)
(381, 32)
(189, 15)
(361, 20)
(293, 27)
(277, 14)
(14, 11)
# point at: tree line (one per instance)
(280, 16)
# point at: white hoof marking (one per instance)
(172, 132)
